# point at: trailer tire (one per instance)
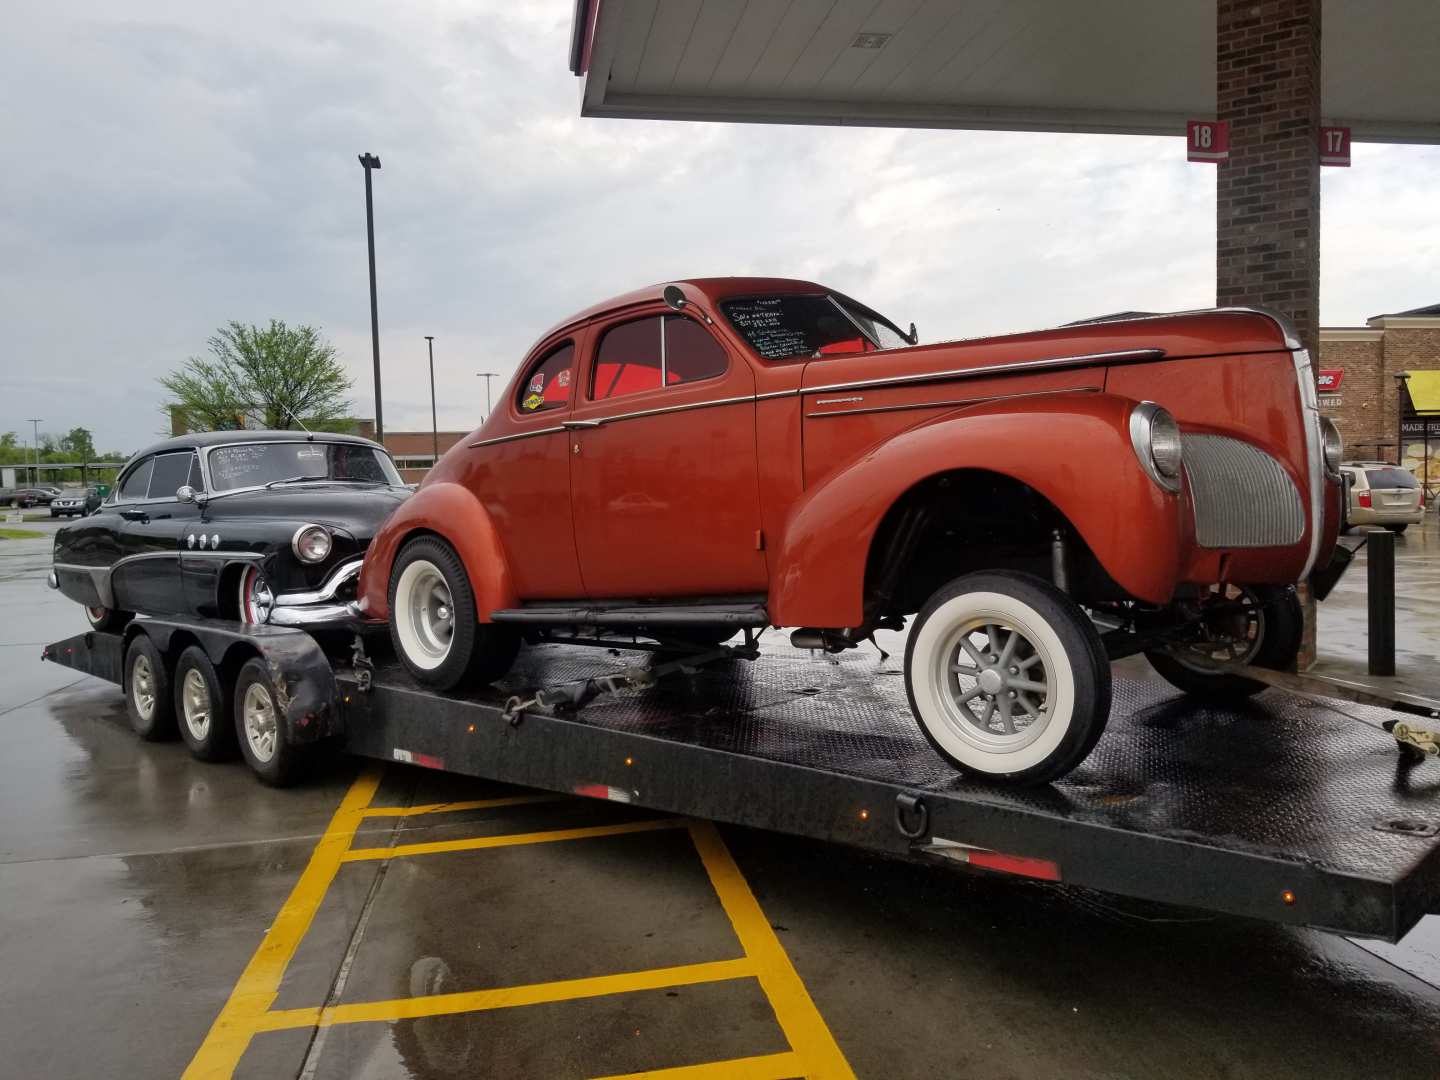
(261, 728)
(148, 701)
(433, 622)
(202, 708)
(960, 651)
(1281, 630)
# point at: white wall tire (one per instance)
(423, 614)
(1007, 677)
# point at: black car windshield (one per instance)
(810, 325)
(249, 465)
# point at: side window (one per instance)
(171, 470)
(547, 383)
(649, 353)
(195, 480)
(137, 481)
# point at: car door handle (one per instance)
(580, 425)
(134, 515)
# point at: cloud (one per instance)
(173, 167)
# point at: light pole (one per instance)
(434, 426)
(487, 376)
(369, 161)
(1402, 383)
(35, 428)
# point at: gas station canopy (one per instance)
(1123, 66)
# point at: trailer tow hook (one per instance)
(911, 806)
(1415, 741)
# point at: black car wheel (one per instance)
(1267, 635)
(202, 708)
(261, 728)
(147, 691)
(104, 618)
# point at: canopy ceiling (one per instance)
(1128, 66)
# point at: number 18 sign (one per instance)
(1207, 140)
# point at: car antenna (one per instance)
(297, 419)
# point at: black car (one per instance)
(257, 526)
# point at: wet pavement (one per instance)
(441, 939)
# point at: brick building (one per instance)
(1360, 391)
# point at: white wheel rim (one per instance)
(195, 704)
(142, 686)
(256, 599)
(424, 614)
(974, 652)
(261, 727)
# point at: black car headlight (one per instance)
(311, 543)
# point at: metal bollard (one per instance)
(1380, 545)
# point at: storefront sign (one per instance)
(1331, 401)
(1327, 380)
(1335, 146)
(1421, 427)
(1207, 140)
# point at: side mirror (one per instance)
(914, 335)
(187, 494)
(675, 301)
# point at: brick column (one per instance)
(1267, 206)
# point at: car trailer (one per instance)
(1284, 808)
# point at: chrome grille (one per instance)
(1242, 496)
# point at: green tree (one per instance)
(273, 376)
(78, 445)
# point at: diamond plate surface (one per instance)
(1280, 775)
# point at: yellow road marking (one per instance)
(452, 807)
(507, 997)
(765, 1067)
(799, 1019)
(475, 843)
(259, 984)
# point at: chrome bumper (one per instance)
(317, 608)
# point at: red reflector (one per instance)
(425, 761)
(603, 791)
(1043, 869)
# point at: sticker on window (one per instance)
(537, 384)
(310, 452)
(532, 402)
(563, 379)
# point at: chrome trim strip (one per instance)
(517, 436)
(688, 407)
(777, 394)
(951, 403)
(341, 574)
(316, 615)
(1123, 356)
(840, 400)
(1314, 455)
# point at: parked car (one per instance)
(27, 497)
(75, 503)
(723, 454)
(1382, 494)
(258, 526)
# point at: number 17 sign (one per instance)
(1207, 140)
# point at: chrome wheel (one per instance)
(256, 599)
(424, 614)
(262, 727)
(995, 685)
(195, 704)
(142, 686)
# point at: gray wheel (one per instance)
(261, 728)
(147, 691)
(202, 707)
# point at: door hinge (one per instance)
(759, 539)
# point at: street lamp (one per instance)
(434, 426)
(1402, 381)
(487, 376)
(369, 161)
(35, 428)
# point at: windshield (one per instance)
(248, 465)
(795, 324)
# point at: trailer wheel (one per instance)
(147, 691)
(1007, 677)
(260, 728)
(104, 618)
(433, 622)
(1269, 637)
(202, 708)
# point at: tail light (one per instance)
(1363, 499)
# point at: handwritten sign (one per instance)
(762, 321)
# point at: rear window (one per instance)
(1391, 478)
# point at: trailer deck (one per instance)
(1284, 809)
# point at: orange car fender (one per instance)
(1073, 449)
(453, 513)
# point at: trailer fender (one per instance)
(454, 514)
(1073, 449)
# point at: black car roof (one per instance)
(215, 438)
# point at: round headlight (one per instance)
(311, 543)
(1156, 438)
(1333, 445)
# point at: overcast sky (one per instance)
(168, 167)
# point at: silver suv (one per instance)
(1382, 494)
